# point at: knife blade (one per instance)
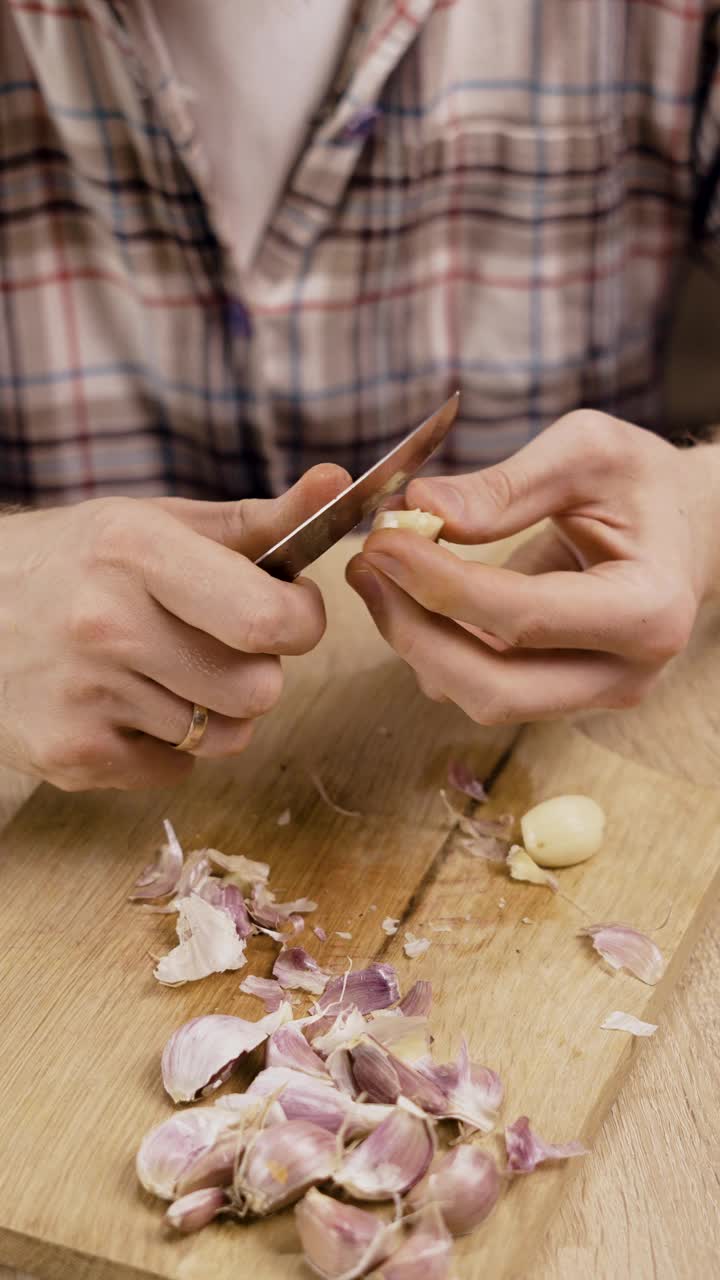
(311, 539)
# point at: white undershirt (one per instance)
(256, 71)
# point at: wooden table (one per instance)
(645, 1204)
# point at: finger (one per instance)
(543, 553)
(609, 608)
(154, 711)
(493, 688)
(217, 591)
(253, 525)
(559, 470)
(118, 760)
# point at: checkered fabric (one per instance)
(495, 196)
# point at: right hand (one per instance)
(117, 614)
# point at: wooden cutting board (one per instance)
(83, 1021)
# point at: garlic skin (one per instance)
(526, 1150)
(619, 1021)
(414, 946)
(340, 1241)
(160, 878)
(287, 1047)
(195, 1210)
(461, 778)
(392, 1159)
(280, 1164)
(417, 521)
(464, 1184)
(266, 989)
(172, 1147)
(521, 867)
(295, 969)
(208, 943)
(304, 1097)
(472, 1094)
(242, 871)
(417, 1002)
(203, 1053)
(368, 989)
(563, 831)
(623, 947)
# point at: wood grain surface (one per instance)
(84, 1021)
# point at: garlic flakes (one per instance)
(619, 1021)
(208, 943)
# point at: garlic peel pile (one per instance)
(563, 830)
(416, 521)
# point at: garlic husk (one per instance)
(242, 871)
(394, 1157)
(526, 1150)
(482, 838)
(521, 867)
(304, 1097)
(619, 1021)
(208, 943)
(296, 970)
(563, 831)
(340, 1069)
(203, 1053)
(340, 1241)
(367, 989)
(626, 948)
(390, 925)
(160, 878)
(462, 778)
(227, 897)
(426, 1253)
(216, 1167)
(195, 1210)
(281, 1163)
(272, 914)
(423, 523)
(414, 946)
(383, 1077)
(464, 1184)
(266, 989)
(330, 1033)
(417, 1002)
(472, 1093)
(287, 1047)
(403, 1033)
(173, 1146)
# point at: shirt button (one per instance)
(360, 125)
(239, 318)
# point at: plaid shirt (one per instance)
(496, 196)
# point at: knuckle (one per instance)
(263, 626)
(74, 751)
(603, 440)
(93, 623)
(114, 535)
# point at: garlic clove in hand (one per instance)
(417, 521)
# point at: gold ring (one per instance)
(195, 733)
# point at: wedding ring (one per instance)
(195, 733)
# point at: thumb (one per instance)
(253, 525)
(558, 469)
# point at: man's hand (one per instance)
(584, 615)
(116, 615)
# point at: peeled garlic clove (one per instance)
(340, 1241)
(472, 1093)
(296, 970)
(287, 1047)
(521, 867)
(422, 522)
(619, 1021)
(626, 948)
(392, 1159)
(161, 877)
(464, 1184)
(195, 1210)
(208, 943)
(203, 1053)
(418, 1000)
(266, 989)
(173, 1146)
(426, 1254)
(562, 831)
(367, 989)
(526, 1150)
(281, 1163)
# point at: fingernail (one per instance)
(385, 563)
(367, 585)
(445, 499)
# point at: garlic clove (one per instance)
(626, 948)
(464, 1184)
(426, 1253)
(340, 1241)
(526, 1150)
(202, 1054)
(619, 1021)
(215, 1167)
(266, 989)
(563, 831)
(160, 878)
(208, 943)
(194, 1211)
(462, 778)
(394, 1157)
(242, 871)
(296, 970)
(521, 867)
(367, 989)
(417, 521)
(304, 1097)
(383, 1077)
(287, 1047)
(418, 1000)
(472, 1093)
(414, 946)
(173, 1146)
(281, 1163)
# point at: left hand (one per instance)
(587, 613)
